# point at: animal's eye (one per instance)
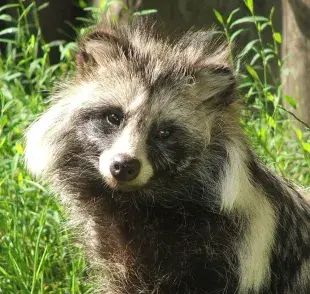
(163, 134)
(114, 118)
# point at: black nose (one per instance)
(125, 168)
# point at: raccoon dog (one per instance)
(144, 148)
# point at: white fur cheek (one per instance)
(36, 156)
(145, 174)
(38, 151)
(43, 136)
(104, 164)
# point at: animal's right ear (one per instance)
(216, 82)
(96, 48)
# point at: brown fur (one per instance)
(203, 215)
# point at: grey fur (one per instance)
(204, 215)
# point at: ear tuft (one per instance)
(102, 35)
(97, 47)
(216, 82)
(209, 59)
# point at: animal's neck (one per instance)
(168, 244)
(240, 195)
(261, 199)
(157, 241)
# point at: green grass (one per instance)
(277, 138)
(37, 254)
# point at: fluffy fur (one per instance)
(203, 215)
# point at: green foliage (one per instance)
(34, 256)
(269, 125)
(127, 7)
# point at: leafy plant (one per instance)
(34, 257)
(259, 66)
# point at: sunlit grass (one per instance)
(36, 252)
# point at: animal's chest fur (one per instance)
(173, 250)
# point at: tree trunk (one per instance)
(296, 44)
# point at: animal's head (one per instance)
(142, 110)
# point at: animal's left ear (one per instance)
(216, 83)
(99, 46)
